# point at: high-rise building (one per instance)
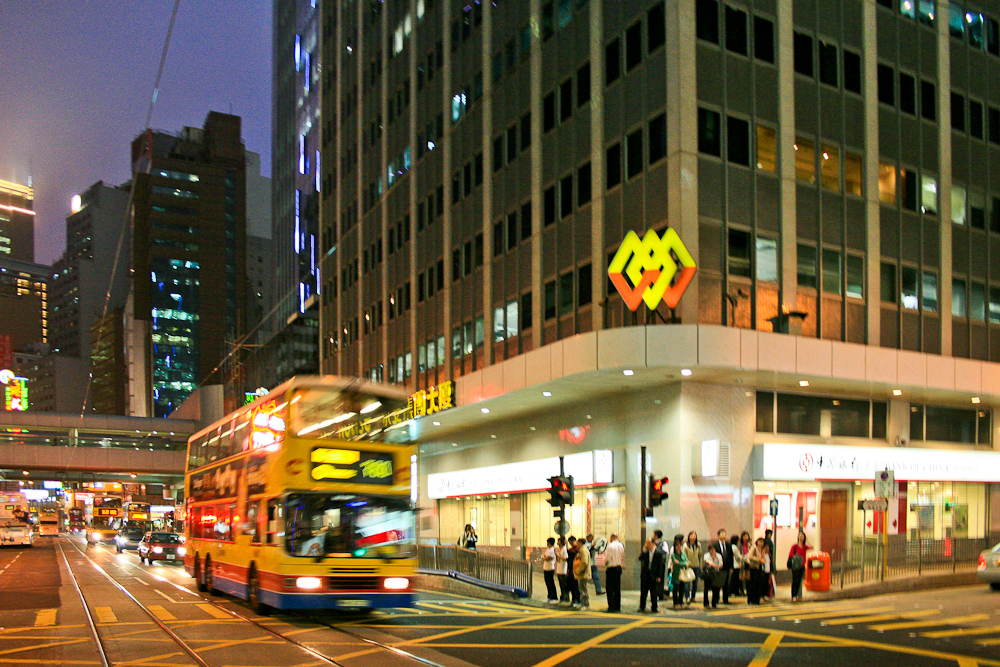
(17, 222)
(110, 385)
(24, 298)
(296, 187)
(694, 229)
(188, 253)
(97, 259)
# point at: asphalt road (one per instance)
(42, 621)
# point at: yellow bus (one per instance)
(107, 520)
(305, 499)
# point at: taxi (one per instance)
(161, 546)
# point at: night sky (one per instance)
(76, 77)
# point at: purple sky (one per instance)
(76, 78)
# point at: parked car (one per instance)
(128, 537)
(989, 567)
(161, 546)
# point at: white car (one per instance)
(989, 567)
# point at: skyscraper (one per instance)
(188, 253)
(17, 221)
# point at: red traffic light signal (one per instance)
(561, 490)
(658, 491)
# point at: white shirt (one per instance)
(717, 560)
(562, 556)
(614, 555)
(549, 560)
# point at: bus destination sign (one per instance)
(350, 465)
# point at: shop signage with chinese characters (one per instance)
(351, 465)
(794, 462)
(645, 271)
(587, 468)
(421, 404)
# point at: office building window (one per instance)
(855, 277)
(512, 230)
(829, 167)
(958, 204)
(634, 154)
(584, 277)
(525, 130)
(709, 132)
(977, 302)
(549, 205)
(738, 140)
(803, 54)
(806, 262)
(908, 288)
(566, 196)
(805, 160)
(656, 35)
(633, 46)
(566, 293)
(958, 297)
(975, 119)
(707, 20)
(736, 30)
(613, 165)
(657, 138)
(907, 94)
(886, 85)
(888, 282)
(887, 183)
(832, 271)
(957, 112)
(739, 253)
(550, 299)
(526, 221)
(549, 112)
(766, 149)
(928, 100)
(767, 259)
(852, 72)
(612, 62)
(763, 39)
(828, 64)
(566, 99)
(583, 85)
(583, 185)
(929, 292)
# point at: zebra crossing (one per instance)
(927, 623)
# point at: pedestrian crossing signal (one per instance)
(658, 491)
(561, 490)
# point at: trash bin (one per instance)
(818, 571)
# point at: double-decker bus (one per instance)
(77, 522)
(305, 499)
(15, 520)
(48, 521)
(106, 521)
(138, 513)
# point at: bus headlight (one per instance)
(396, 583)
(157, 550)
(308, 583)
(96, 537)
(181, 551)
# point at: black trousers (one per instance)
(797, 577)
(550, 584)
(715, 594)
(613, 586)
(647, 587)
(679, 588)
(754, 586)
(725, 586)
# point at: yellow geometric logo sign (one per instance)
(645, 270)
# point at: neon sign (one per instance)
(15, 391)
(267, 427)
(645, 271)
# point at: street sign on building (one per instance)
(876, 505)
(885, 484)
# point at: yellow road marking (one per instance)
(833, 614)
(45, 617)
(974, 618)
(959, 632)
(161, 613)
(989, 642)
(884, 617)
(105, 615)
(967, 662)
(25, 628)
(766, 651)
(213, 611)
(481, 608)
(50, 662)
(562, 656)
(785, 610)
(49, 645)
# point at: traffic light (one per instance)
(561, 490)
(658, 491)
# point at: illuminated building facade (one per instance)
(17, 222)
(24, 297)
(189, 253)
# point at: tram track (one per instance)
(191, 651)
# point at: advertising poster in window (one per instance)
(220, 482)
(256, 473)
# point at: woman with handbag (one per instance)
(692, 549)
(797, 564)
(712, 572)
(755, 584)
(680, 573)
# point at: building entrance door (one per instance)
(833, 520)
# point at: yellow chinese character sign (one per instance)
(645, 270)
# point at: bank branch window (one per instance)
(820, 415)
(945, 424)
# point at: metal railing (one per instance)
(490, 567)
(869, 560)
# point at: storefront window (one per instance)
(823, 416)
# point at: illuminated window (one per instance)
(928, 195)
(852, 174)
(958, 204)
(830, 167)
(766, 149)
(805, 160)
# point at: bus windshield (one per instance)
(319, 525)
(347, 414)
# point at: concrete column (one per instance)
(944, 169)
(786, 157)
(537, 294)
(682, 139)
(597, 243)
(487, 146)
(873, 250)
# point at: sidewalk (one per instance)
(783, 594)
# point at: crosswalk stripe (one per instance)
(212, 610)
(873, 618)
(45, 617)
(834, 614)
(960, 632)
(105, 615)
(162, 613)
(798, 611)
(910, 625)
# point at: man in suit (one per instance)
(650, 567)
(661, 576)
(725, 549)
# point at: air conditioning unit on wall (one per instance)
(711, 459)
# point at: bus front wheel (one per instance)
(253, 594)
(209, 579)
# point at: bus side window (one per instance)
(274, 520)
(252, 525)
